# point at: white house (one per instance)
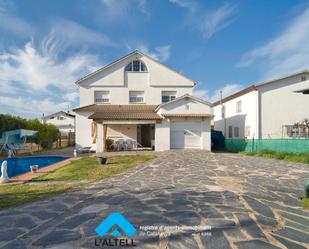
(138, 98)
(64, 121)
(265, 110)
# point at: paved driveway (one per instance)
(248, 202)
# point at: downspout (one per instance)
(258, 110)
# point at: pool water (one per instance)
(17, 166)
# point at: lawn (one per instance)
(89, 169)
(15, 194)
(86, 168)
(305, 202)
(292, 157)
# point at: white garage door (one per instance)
(186, 135)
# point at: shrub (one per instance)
(293, 157)
(47, 133)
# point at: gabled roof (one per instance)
(305, 71)
(235, 95)
(257, 85)
(58, 113)
(184, 97)
(125, 57)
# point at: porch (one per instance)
(126, 136)
(124, 127)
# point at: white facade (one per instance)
(115, 84)
(266, 109)
(114, 79)
(246, 119)
(187, 125)
(64, 121)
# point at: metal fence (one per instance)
(279, 145)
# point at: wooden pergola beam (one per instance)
(104, 137)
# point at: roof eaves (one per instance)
(57, 113)
(182, 97)
(106, 66)
(194, 81)
(124, 57)
(82, 107)
(281, 78)
(235, 95)
(256, 85)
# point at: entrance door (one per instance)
(145, 135)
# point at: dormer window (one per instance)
(136, 66)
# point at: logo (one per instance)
(117, 224)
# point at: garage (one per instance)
(186, 134)
(185, 124)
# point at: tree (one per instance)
(306, 123)
(47, 133)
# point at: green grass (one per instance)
(86, 168)
(292, 157)
(305, 202)
(15, 194)
(89, 169)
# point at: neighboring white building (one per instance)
(138, 98)
(64, 121)
(265, 110)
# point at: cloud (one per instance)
(66, 33)
(216, 20)
(285, 53)
(28, 71)
(32, 107)
(206, 21)
(202, 94)
(72, 96)
(121, 9)
(215, 95)
(160, 53)
(187, 4)
(13, 24)
(34, 70)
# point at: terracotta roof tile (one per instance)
(121, 112)
(190, 115)
(117, 108)
(126, 116)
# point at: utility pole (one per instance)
(223, 114)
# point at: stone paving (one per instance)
(249, 202)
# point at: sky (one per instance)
(45, 46)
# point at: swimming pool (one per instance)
(17, 166)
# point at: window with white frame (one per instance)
(168, 96)
(60, 118)
(101, 97)
(136, 96)
(239, 106)
(230, 131)
(136, 66)
(303, 78)
(236, 131)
